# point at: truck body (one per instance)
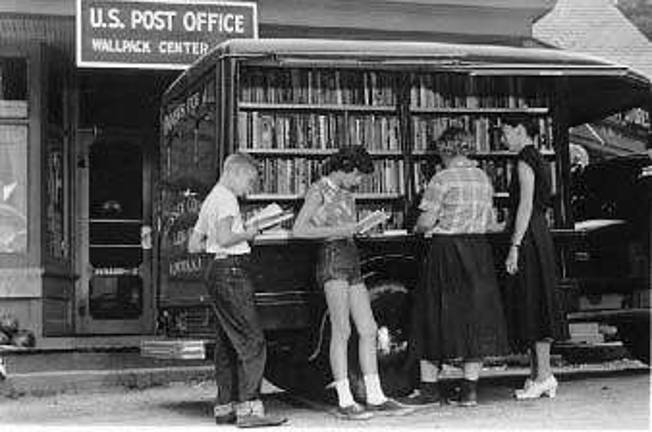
(290, 103)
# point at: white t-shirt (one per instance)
(219, 204)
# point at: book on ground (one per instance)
(269, 216)
(371, 220)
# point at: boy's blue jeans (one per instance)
(240, 351)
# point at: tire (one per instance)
(391, 304)
(636, 338)
(292, 367)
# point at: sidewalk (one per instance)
(76, 372)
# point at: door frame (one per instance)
(84, 323)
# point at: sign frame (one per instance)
(160, 66)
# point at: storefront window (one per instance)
(13, 87)
(13, 188)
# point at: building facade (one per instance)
(78, 151)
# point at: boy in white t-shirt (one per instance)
(240, 351)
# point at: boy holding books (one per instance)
(240, 351)
(329, 213)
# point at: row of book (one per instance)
(484, 130)
(500, 172)
(317, 86)
(261, 130)
(441, 90)
(295, 175)
(257, 130)
(375, 88)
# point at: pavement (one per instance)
(610, 396)
(52, 372)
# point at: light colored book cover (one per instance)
(269, 217)
(371, 220)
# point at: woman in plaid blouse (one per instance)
(458, 311)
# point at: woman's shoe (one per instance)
(428, 394)
(527, 384)
(537, 389)
(467, 395)
(353, 412)
(390, 408)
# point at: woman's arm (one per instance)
(430, 206)
(426, 221)
(523, 214)
(303, 228)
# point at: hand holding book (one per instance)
(370, 221)
(269, 217)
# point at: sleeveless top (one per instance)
(542, 190)
(338, 204)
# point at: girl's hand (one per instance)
(511, 263)
(348, 229)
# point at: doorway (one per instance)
(115, 290)
(116, 159)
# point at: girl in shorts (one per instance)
(329, 213)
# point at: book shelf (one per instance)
(292, 118)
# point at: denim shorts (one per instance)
(338, 260)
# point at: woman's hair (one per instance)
(237, 162)
(455, 141)
(348, 158)
(530, 123)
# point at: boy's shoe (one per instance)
(251, 414)
(353, 412)
(390, 408)
(224, 414)
(426, 395)
(467, 395)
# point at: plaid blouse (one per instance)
(338, 204)
(462, 198)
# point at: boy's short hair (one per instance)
(455, 141)
(348, 158)
(236, 162)
(530, 123)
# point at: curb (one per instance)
(55, 382)
(51, 383)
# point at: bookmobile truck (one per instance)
(292, 102)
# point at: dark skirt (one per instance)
(458, 310)
(531, 309)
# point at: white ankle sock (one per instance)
(375, 395)
(344, 396)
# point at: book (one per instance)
(371, 220)
(269, 216)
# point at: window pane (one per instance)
(13, 189)
(13, 87)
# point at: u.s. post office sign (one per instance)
(157, 34)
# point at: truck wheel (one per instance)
(390, 302)
(636, 338)
(298, 365)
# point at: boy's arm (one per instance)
(226, 237)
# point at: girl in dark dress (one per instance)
(530, 261)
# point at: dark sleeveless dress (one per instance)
(530, 303)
